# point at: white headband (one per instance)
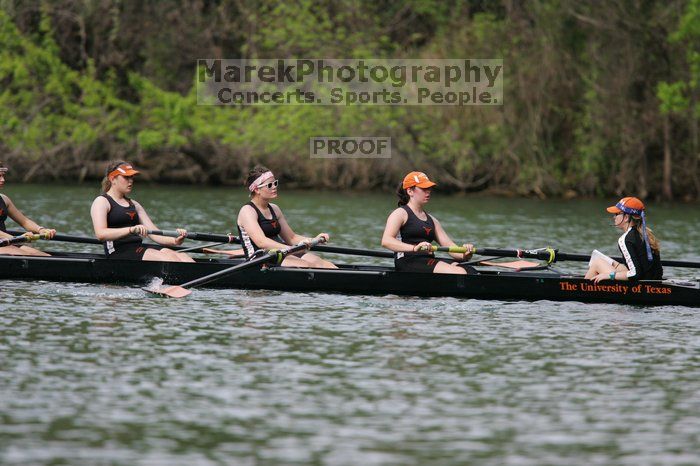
(258, 180)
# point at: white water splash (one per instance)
(154, 284)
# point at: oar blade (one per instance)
(170, 291)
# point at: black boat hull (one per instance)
(375, 280)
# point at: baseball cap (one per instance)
(419, 179)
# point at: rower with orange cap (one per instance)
(638, 245)
(410, 231)
(8, 209)
(121, 222)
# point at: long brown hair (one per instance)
(106, 182)
(653, 242)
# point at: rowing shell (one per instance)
(490, 283)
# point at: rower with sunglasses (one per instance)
(262, 225)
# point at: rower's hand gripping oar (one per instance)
(273, 255)
(21, 239)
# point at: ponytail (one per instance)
(653, 242)
(403, 195)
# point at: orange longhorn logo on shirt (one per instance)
(273, 223)
(427, 230)
(1, 212)
(131, 214)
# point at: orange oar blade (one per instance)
(173, 291)
(511, 265)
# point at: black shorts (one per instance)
(419, 263)
(133, 251)
(424, 263)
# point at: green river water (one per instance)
(103, 375)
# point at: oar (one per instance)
(550, 255)
(88, 240)
(564, 256)
(180, 291)
(66, 238)
(235, 239)
(197, 248)
(197, 236)
(353, 251)
(20, 239)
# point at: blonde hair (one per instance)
(653, 242)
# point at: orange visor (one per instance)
(124, 169)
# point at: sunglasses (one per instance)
(270, 185)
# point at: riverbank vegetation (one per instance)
(601, 98)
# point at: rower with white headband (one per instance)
(638, 245)
(262, 225)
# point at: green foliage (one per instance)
(588, 88)
(672, 97)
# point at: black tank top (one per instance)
(120, 217)
(270, 227)
(634, 251)
(3, 214)
(416, 230)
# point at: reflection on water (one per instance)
(107, 375)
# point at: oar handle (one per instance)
(21, 239)
(450, 249)
(229, 238)
(66, 238)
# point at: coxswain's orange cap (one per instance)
(124, 169)
(419, 179)
(627, 205)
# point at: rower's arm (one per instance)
(248, 220)
(22, 220)
(393, 224)
(98, 213)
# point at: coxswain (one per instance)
(639, 247)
